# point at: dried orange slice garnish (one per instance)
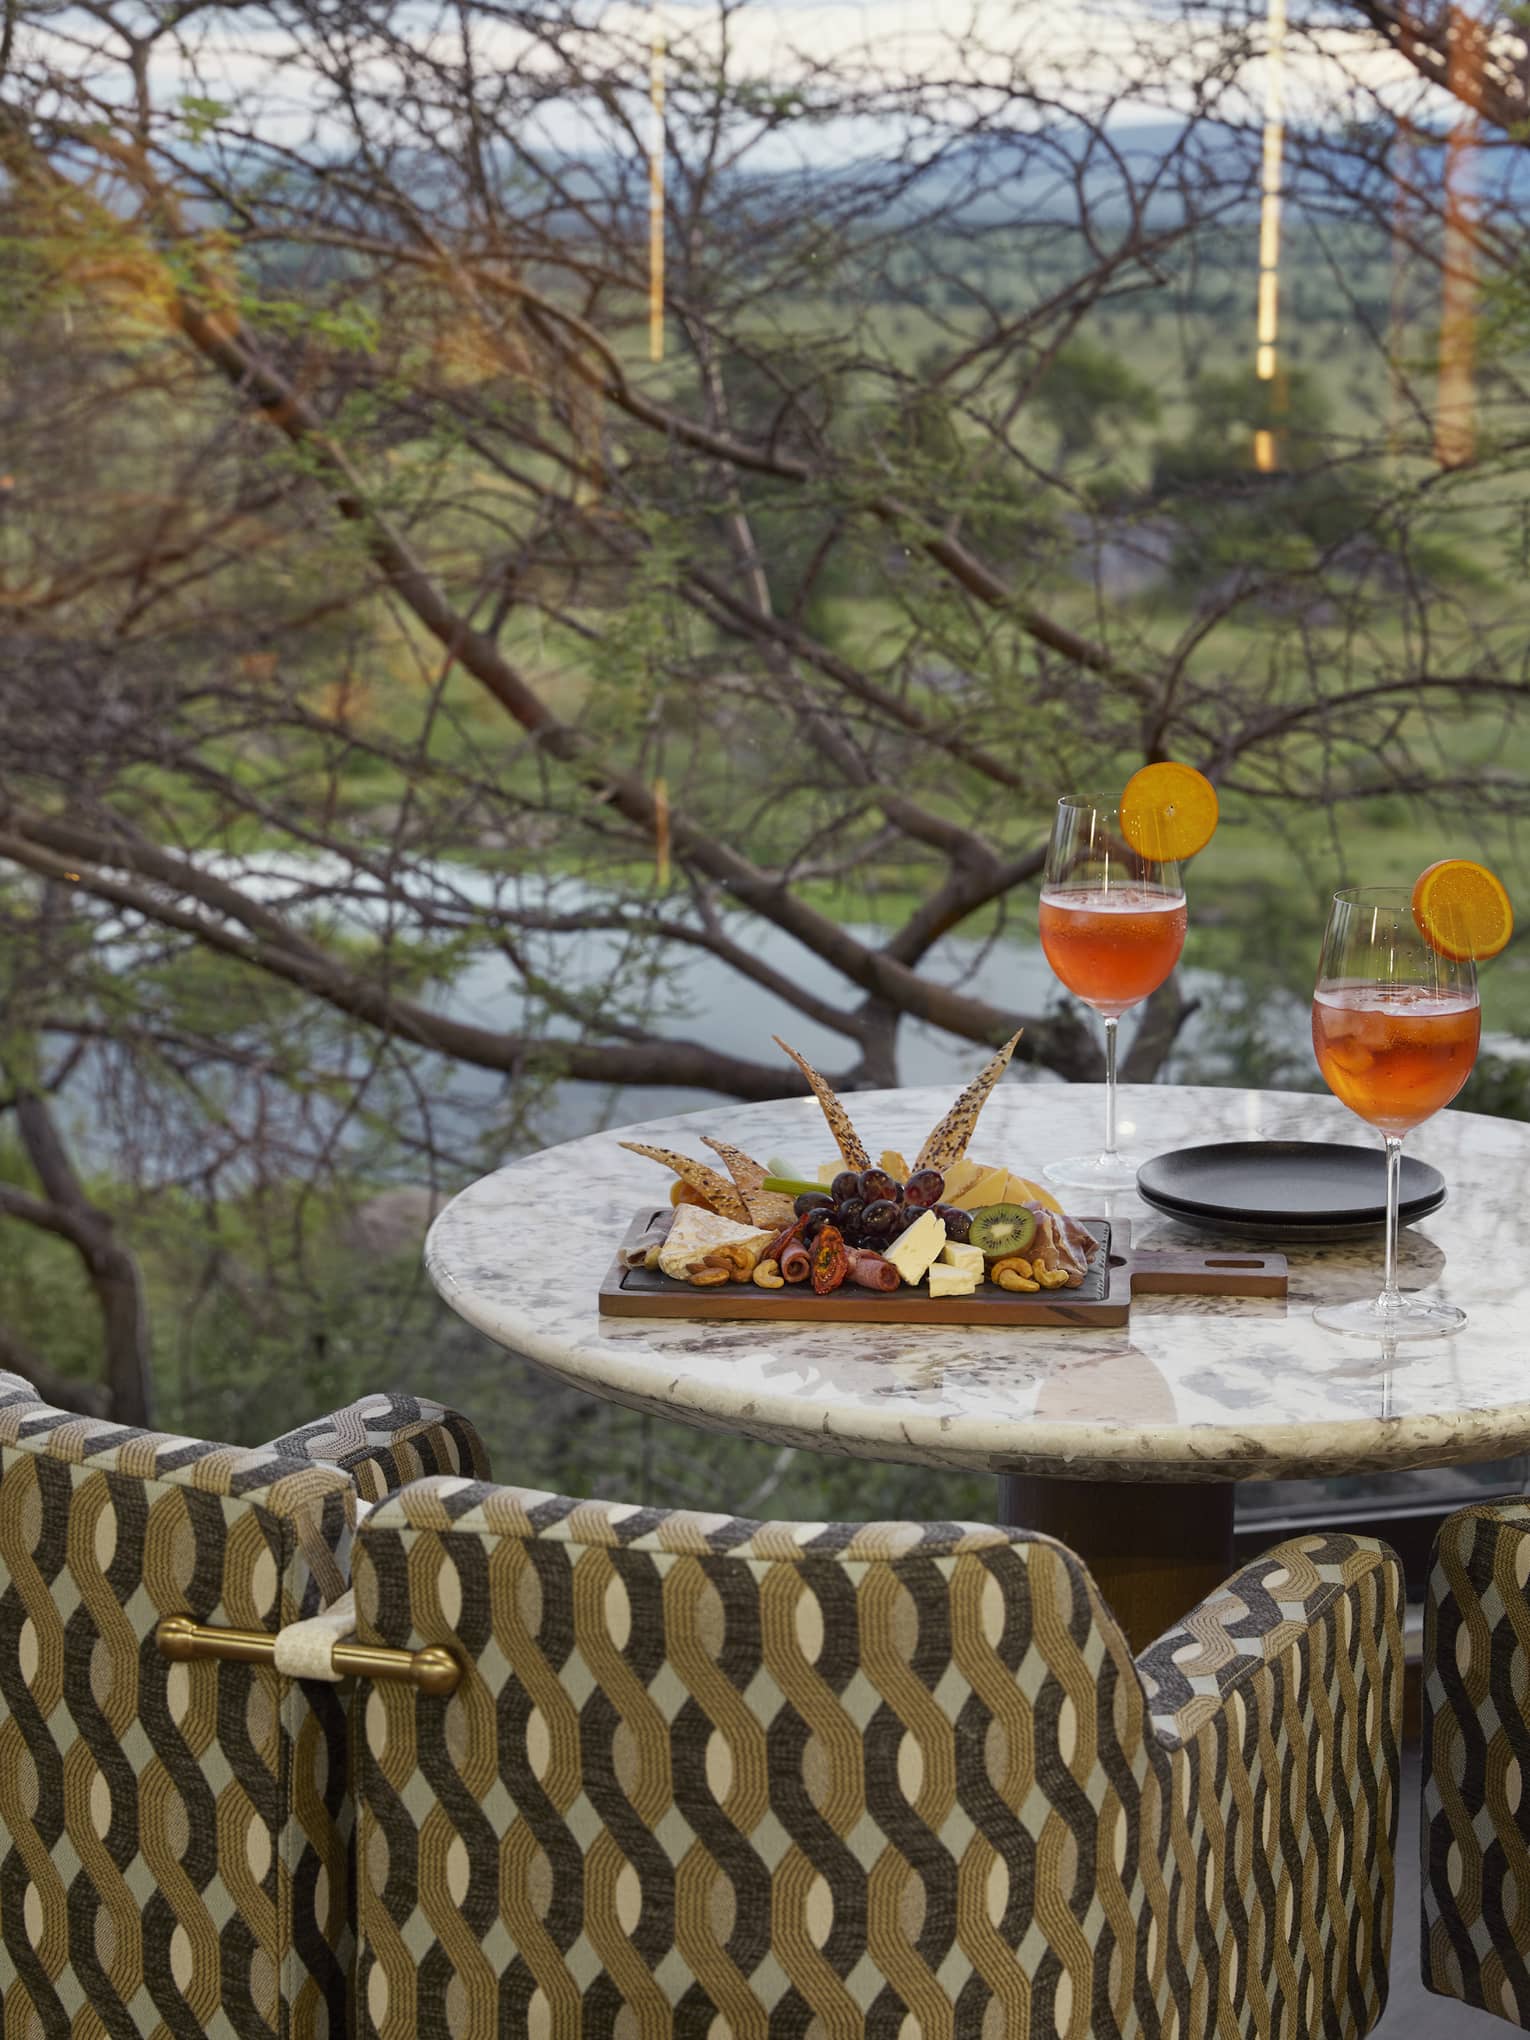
(1462, 909)
(1168, 812)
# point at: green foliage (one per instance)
(200, 115)
(1088, 393)
(1226, 411)
(1499, 1086)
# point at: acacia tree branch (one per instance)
(87, 1399)
(301, 963)
(68, 1212)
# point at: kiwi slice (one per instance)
(1001, 1229)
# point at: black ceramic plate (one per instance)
(1287, 1189)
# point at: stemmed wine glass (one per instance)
(1395, 1027)
(1112, 927)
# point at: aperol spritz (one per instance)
(1112, 948)
(1112, 926)
(1395, 1027)
(1394, 1054)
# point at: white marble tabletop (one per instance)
(1193, 1389)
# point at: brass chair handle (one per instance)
(433, 1669)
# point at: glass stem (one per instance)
(1111, 1024)
(1390, 1299)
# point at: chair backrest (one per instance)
(175, 1845)
(706, 1776)
(1476, 1761)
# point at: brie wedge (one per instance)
(695, 1233)
(912, 1252)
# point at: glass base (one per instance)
(1095, 1172)
(1369, 1320)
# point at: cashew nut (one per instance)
(1011, 1278)
(768, 1276)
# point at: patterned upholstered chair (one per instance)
(705, 1777)
(1476, 1761)
(175, 1838)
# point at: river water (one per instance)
(496, 974)
(690, 993)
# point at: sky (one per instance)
(1140, 60)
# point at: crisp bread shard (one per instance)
(846, 1138)
(947, 1143)
(715, 1188)
(765, 1207)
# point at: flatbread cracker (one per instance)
(947, 1143)
(714, 1187)
(765, 1207)
(746, 1172)
(846, 1139)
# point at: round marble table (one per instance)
(1194, 1394)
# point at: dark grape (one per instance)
(958, 1222)
(877, 1186)
(879, 1218)
(908, 1214)
(850, 1209)
(846, 1184)
(811, 1200)
(820, 1216)
(925, 1187)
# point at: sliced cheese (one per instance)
(892, 1164)
(1022, 1191)
(961, 1176)
(946, 1281)
(988, 1188)
(912, 1252)
(958, 1254)
(827, 1171)
(695, 1233)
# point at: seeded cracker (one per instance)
(766, 1207)
(715, 1188)
(845, 1136)
(948, 1142)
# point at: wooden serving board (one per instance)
(1115, 1275)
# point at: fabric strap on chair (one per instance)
(306, 1650)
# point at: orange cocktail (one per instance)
(1112, 946)
(1395, 1054)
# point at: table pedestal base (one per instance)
(1155, 1548)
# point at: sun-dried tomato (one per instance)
(831, 1263)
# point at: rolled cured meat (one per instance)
(796, 1263)
(871, 1271)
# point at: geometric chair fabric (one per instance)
(709, 1777)
(1476, 1761)
(176, 1846)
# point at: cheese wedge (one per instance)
(911, 1253)
(988, 1188)
(892, 1164)
(1022, 1191)
(827, 1171)
(958, 1254)
(961, 1176)
(695, 1233)
(945, 1281)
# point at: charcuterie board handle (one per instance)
(1216, 1272)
